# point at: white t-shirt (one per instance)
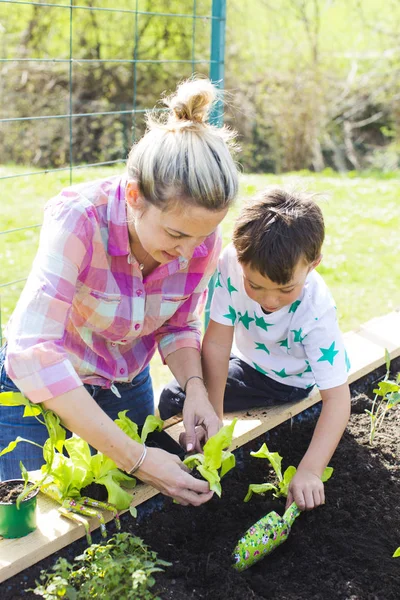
(298, 345)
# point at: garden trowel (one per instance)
(263, 537)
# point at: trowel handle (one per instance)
(291, 513)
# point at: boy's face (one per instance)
(272, 296)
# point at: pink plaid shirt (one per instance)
(86, 315)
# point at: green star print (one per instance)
(245, 319)
(260, 322)
(260, 346)
(231, 288)
(347, 360)
(218, 282)
(284, 343)
(281, 373)
(308, 370)
(294, 306)
(259, 369)
(297, 335)
(231, 315)
(328, 354)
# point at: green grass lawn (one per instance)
(360, 262)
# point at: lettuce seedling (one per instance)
(387, 395)
(281, 489)
(66, 476)
(216, 460)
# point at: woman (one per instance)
(122, 266)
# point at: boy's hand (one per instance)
(306, 489)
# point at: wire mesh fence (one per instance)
(75, 83)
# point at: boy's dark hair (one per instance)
(276, 230)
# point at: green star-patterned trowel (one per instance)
(263, 537)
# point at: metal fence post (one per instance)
(217, 73)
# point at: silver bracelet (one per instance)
(140, 461)
(189, 378)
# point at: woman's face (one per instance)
(167, 234)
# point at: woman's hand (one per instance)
(198, 412)
(171, 477)
(306, 489)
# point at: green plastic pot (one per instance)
(17, 522)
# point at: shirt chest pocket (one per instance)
(99, 309)
(170, 304)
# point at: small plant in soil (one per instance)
(216, 460)
(63, 477)
(284, 479)
(122, 568)
(387, 395)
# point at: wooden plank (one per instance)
(366, 352)
(384, 331)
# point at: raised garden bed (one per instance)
(340, 551)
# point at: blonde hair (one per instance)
(182, 156)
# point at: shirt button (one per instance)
(122, 371)
(139, 292)
(137, 326)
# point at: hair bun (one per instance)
(192, 101)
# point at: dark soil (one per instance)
(10, 490)
(341, 551)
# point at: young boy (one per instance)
(270, 298)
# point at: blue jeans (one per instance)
(136, 396)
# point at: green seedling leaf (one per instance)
(387, 360)
(396, 553)
(215, 457)
(385, 387)
(214, 447)
(24, 472)
(79, 451)
(228, 462)
(213, 478)
(117, 496)
(31, 410)
(274, 458)
(287, 478)
(12, 445)
(56, 431)
(283, 480)
(133, 511)
(193, 460)
(152, 423)
(259, 488)
(327, 474)
(13, 399)
(393, 399)
(128, 426)
(69, 477)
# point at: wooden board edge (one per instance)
(267, 420)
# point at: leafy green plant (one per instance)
(216, 460)
(396, 553)
(66, 476)
(122, 568)
(284, 479)
(387, 395)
